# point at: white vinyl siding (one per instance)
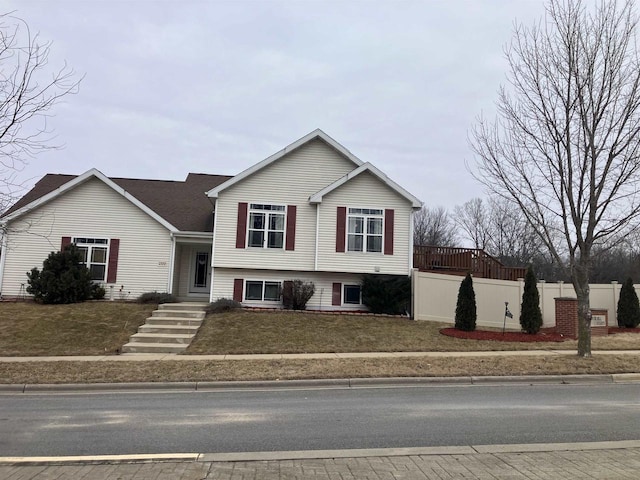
(323, 281)
(288, 181)
(364, 191)
(92, 209)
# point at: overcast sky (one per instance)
(173, 87)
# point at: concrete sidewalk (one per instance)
(139, 357)
(604, 460)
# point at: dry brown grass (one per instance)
(292, 332)
(185, 371)
(90, 328)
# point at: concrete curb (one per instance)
(322, 383)
(322, 454)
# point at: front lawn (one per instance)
(90, 328)
(244, 331)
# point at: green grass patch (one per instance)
(90, 328)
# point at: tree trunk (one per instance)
(581, 286)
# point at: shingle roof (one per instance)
(184, 204)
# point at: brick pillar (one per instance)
(567, 317)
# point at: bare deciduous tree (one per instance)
(471, 217)
(433, 227)
(499, 227)
(565, 146)
(27, 95)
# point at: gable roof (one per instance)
(366, 167)
(316, 134)
(178, 205)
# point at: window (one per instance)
(94, 252)
(351, 294)
(364, 230)
(266, 225)
(262, 291)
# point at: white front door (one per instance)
(200, 272)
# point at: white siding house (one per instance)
(94, 212)
(312, 211)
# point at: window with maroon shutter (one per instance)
(341, 224)
(365, 230)
(94, 255)
(238, 285)
(291, 228)
(336, 294)
(65, 241)
(241, 232)
(388, 232)
(114, 253)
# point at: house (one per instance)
(312, 211)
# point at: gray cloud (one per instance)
(173, 87)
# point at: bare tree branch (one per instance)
(565, 146)
(28, 92)
(433, 227)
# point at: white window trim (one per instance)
(264, 283)
(364, 234)
(89, 247)
(344, 296)
(266, 229)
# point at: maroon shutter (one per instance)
(65, 241)
(341, 224)
(336, 294)
(287, 294)
(114, 253)
(388, 232)
(241, 232)
(291, 227)
(238, 285)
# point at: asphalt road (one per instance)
(281, 419)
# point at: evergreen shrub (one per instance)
(63, 278)
(466, 314)
(628, 306)
(388, 294)
(530, 314)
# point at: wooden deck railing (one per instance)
(460, 261)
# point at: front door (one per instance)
(200, 272)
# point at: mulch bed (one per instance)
(623, 330)
(546, 335)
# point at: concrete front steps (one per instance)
(169, 329)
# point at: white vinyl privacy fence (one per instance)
(435, 296)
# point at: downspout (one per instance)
(411, 240)
(315, 260)
(3, 253)
(213, 248)
(172, 260)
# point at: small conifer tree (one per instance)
(466, 314)
(63, 279)
(628, 306)
(530, 314)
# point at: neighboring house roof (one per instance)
(178, 205)
(366, 167)
(316, 134)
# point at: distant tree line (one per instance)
(500, 229)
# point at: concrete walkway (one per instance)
(604, 460)
(133, 357)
